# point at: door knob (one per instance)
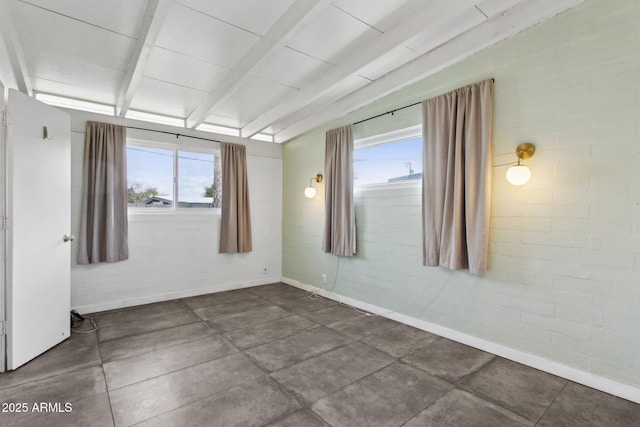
(68, 238)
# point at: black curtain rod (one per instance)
(393, 111)
(388, 112)
(173, 133)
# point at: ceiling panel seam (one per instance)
(218, 19)
(358, 19)
(79, 20)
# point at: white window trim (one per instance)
(388, 138)
(174, 210)
(388, 185)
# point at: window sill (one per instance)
(388, 186)
(161, 214)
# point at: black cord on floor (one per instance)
(77, 317)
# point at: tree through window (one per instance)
(161, 177)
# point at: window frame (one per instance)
(175, 148)
(392, 137)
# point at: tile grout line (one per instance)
(459, 384)
(489, 399)
(248, 311)
(250, 357)
(167, 347)
(186, 308)
(395, 360)
(197, 400)
(294, 396)
(106, 386)
(153, 330)
(91, 364)
(315, 325)
(160, 348)
(551, 403)
(96, 316)
(177, 370)
(355, 340)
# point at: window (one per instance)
(158, 175)
(225, 130)
(197, 173)
(76, 104)
(155, 118)
(391, 158)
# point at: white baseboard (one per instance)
(606, 385)
(168, 296)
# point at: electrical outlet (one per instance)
(324, 279)
(265, 269)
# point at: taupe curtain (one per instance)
(235, 230)
(456, 185)
(340, 224)
(103, 224)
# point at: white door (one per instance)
(39, 216)
(3, 236)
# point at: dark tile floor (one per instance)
(271, 355)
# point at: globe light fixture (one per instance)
(520, 174)
(310, 191)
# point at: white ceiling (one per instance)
(279, 67)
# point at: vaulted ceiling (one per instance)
(276, 67)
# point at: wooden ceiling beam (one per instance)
(152, 22)
(500, 27)
(14, 49)
(298, 14)
(416, 22)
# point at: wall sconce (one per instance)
(310, 191)
(520, 174)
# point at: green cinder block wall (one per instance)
(564, 267)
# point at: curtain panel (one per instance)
(235, 229)
(340, 224)
(456, 185)
(103, 223)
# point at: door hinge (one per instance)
(3, 327)
(3, 119)
(3, 223)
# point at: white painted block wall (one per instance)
(176, 255)
(564, 268)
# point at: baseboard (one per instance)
(168, 296)
(606, 385)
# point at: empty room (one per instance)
(320, 213)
